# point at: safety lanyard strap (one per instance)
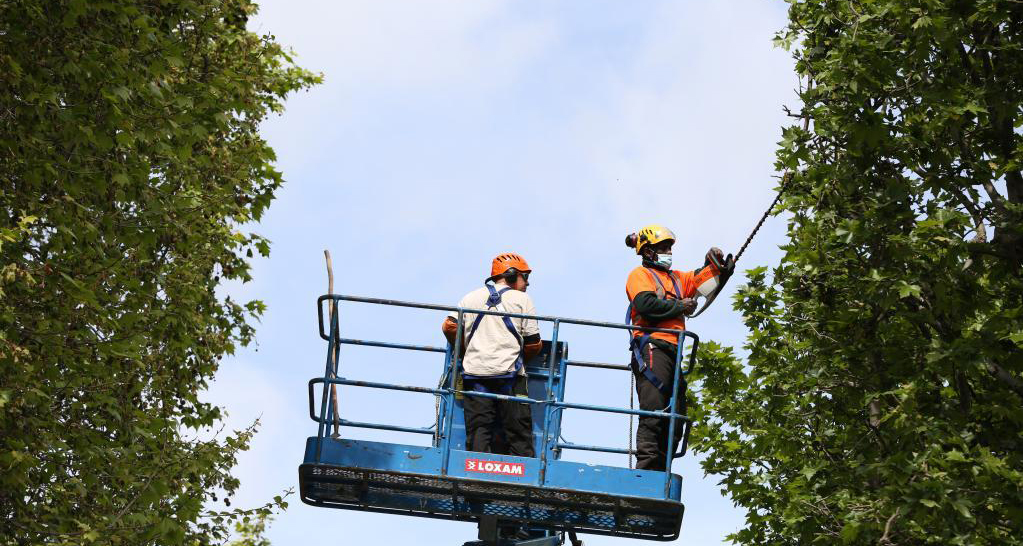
(647, 368)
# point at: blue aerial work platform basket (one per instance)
(444, 480)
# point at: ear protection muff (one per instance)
(510, 275)
(632, 239)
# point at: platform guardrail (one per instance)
(553, 403)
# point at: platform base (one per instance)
(463, 499)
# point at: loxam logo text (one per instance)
(495, 467)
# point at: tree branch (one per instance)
(1006, 377)
(888, 527)
(978, 221)
(996, 198)
(1014, 185)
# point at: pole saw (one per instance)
(727, 266)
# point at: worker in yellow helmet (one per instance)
(660, 297)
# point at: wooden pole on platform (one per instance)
(334, 353)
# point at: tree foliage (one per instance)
(251, 531)
(129, 160)
(882, 400)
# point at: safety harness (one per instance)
(475, 382)
(639, 343)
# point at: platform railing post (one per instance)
(327, 404)
(549, 408)
(450, 397)
(560, 391)
(443, 406)
(562, 371)
(333, 402)
(672, 408)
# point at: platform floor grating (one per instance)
(465, 499)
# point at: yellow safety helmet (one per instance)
(649, 235)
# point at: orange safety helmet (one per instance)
(509, 260)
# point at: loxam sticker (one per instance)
(495, 467)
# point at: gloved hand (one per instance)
(715, 254)
(688, 305)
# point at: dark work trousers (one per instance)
(652, 432)
(483, 415)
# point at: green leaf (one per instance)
(963, 509)
(808, 472)
(122, 92)
(906, 289)
(850, 532)
(1016, 338)
(955, 456)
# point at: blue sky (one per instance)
(449, 131)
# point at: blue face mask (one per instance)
(664, 260)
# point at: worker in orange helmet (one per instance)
(495, 350)
(660, 297)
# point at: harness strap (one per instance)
(494, 302)
(504, 385)
(638, 362)
(638, 343)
